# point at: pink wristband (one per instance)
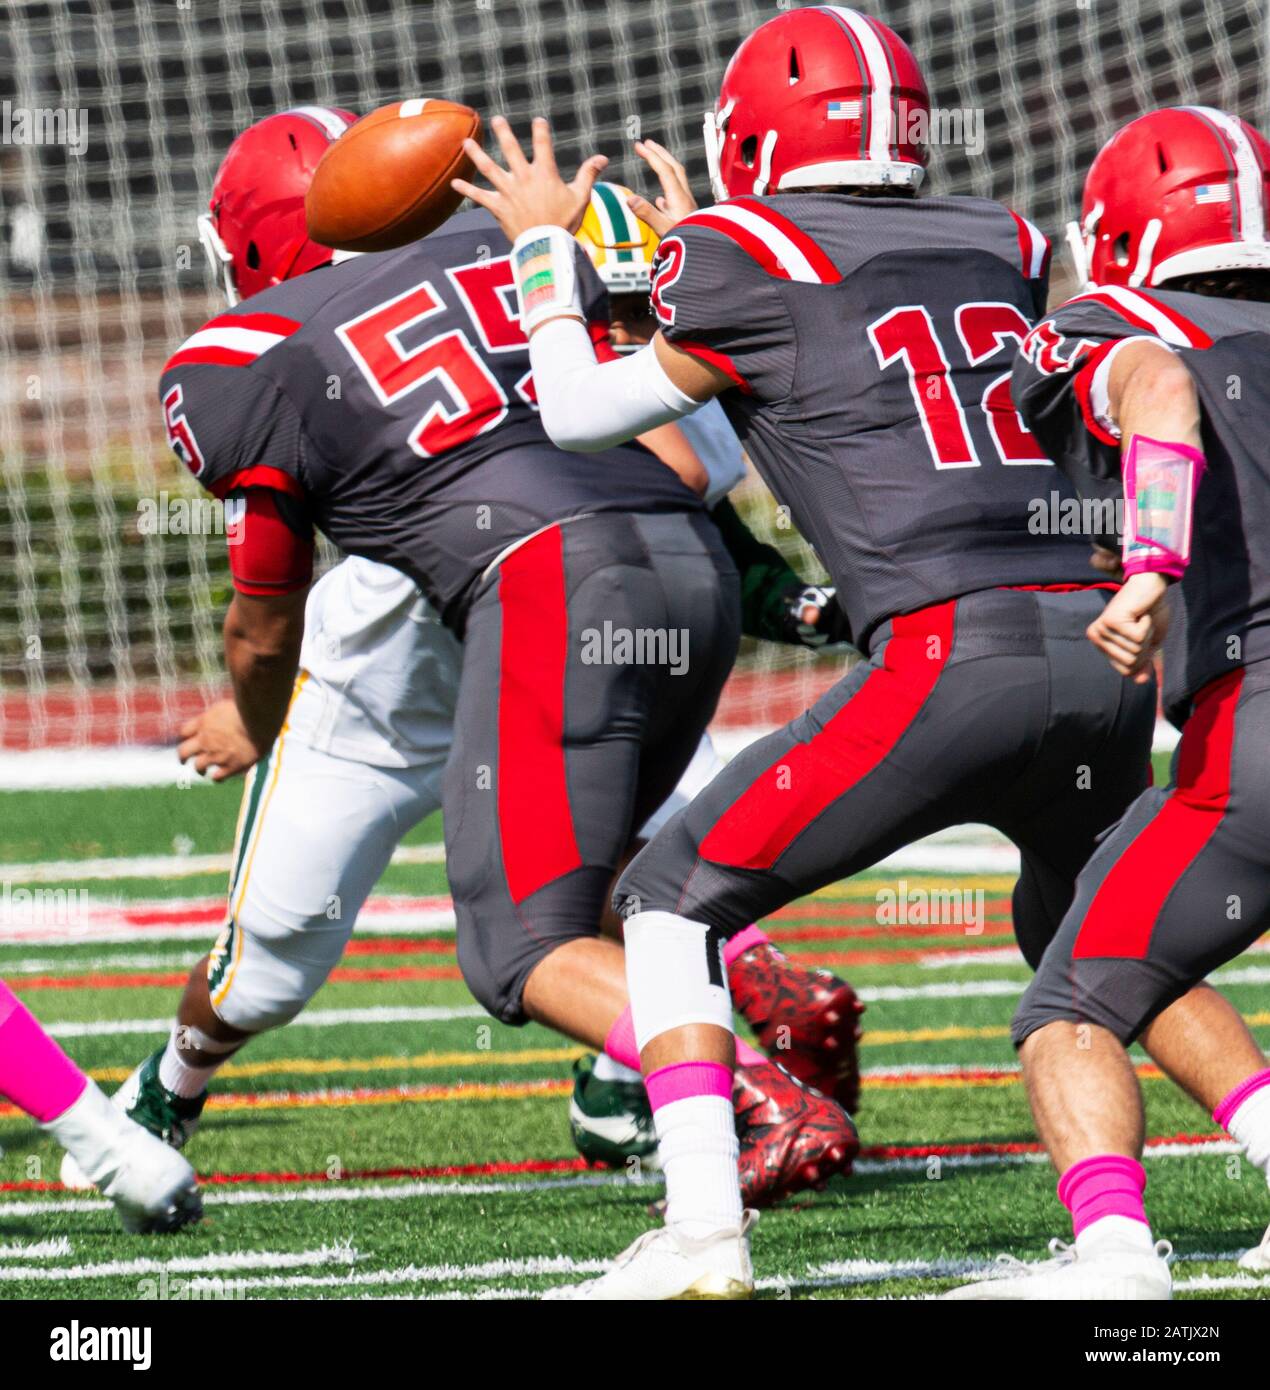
(1160, 483)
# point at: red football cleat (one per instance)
(808, 1020)
(792, 1138)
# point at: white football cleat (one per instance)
(664, 1265)
(1117, 1274)
(152, 1186)
(1258, 1258)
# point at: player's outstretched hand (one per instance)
(217, 740)
(676, 200)
(1131, 628)
(526, 194)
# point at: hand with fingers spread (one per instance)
(218, 742)
(529, 194)
(676, 200)
(1131, 628)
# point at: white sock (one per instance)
(606, 1069)
(1250, 1126)
(177, 1075)
(1114, 1233)
(698, 1147)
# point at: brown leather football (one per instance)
(386, 180)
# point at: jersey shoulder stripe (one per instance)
(783, 249)
(1147, 315)
(1034, 246)
(233, 340)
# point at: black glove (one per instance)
(814, 617)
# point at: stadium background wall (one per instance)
(108, 634)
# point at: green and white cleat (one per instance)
(611, 1121)
(148, 1103)
(1114, 1274)
(664, 1265)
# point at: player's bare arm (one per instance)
(1151, 393)
(262, 651)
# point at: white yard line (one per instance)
(165, 866)
(36, 1250)
(67, 965)
(195, 1264)
(312, 1018)
(321, 1192)
(1212, 1283)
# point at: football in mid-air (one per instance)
(386, 180)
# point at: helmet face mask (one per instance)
(819, 97)
(1176, 193)
(218, 256)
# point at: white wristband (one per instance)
(546, 278)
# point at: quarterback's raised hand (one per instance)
(676, 200)
(529, 193)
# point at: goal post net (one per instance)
(114, 116)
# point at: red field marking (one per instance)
(110, 715)
(578, 1165)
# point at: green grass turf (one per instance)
(126, 821)
(438, 1236)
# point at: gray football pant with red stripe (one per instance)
(592, 662)
(1182, 885)
(991, 708)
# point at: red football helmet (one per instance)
(817, 96)
(255, 234)
(1180, 191)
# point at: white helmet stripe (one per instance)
(1249, 179)
(331, 121)
(878, 74)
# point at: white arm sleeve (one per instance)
(588, 405)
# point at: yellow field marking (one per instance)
(861, 888)
(334, 1066)
(403, 1095)
(887, 1037)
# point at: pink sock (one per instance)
(1226, 1108)
(34, 1072)
(1105, 1185)
(685, 1080)
(744, 941)
(620, 1043)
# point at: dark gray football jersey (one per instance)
(870, 341)
(1221, 607)
(392, 395)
